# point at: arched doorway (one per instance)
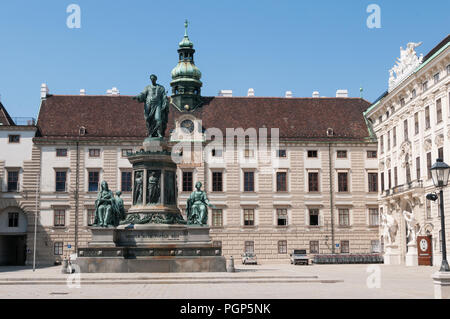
(13, 237)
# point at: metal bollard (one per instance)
(230, 265)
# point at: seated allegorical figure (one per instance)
(105, 207)
(197, 207)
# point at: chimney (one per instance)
(342, 93)
(315, 94)
(44, 91)
(83, 92)
(226, 93)
(288, 94)
(251, 92)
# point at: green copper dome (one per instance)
(186, 84)
(186, 69)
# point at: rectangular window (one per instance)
(405, 130)
(438, 111)
(125, 152)
(382, 144)
(394, 136)
(390, 179)
(93, 181)
(281, 153)
(59, 217)
(13, 220)
(344, 217)
(382, 182)
(282, 217)
(374, 217)
(249, 247)
(249, 217)
(413, 93)
(373, 182)
(249, 181)
(371, 154)
(436, 78)
(345, 247)
(216, 153)
(427, 118)
(314, 247)
(58, 248)
(314, 217)
(402, 102)
(282, 247)
(61, 152)
(90, 217)
(313, 181)
(428, 208)
(416, 123)
(441, 153)
(61, 178)
(375, 246)
(217, 243)
(188, 179)
(217, 181)
(342, 182)
(126, 184)
(14, 139)
(424, 86)
(248, 153)
(217, 218)
(429, 165)
(388, 144)
(13, 181)
(312, 154)
(395, 177)
(341, 154)
(281, 181)
(94, 152)
(448, 69)
(418, 168)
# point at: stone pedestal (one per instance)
(392, 255)
(153, 237)
(441, 282)
(412, 258)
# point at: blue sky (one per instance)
(271, 46)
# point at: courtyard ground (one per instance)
(268, 281)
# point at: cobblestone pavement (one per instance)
(395, 282)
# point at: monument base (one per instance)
(441, 282)
(151, 248)
(392, 256)
(412, 258)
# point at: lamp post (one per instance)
(440, 172)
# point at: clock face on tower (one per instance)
(423, 245)
(188, 125)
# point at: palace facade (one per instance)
(315, 189)
(412, 123)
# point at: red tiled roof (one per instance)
(5, 119)
(121, 117)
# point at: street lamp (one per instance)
(440, 172)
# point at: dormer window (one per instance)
(330, 132)
(82, 131)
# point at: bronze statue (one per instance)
(156, 108)
(121, 209)
(197, 207)
(105, 207)
(138, 188)
(153, 188)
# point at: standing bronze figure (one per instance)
(154, 191)
(138, 188)
(156, 108)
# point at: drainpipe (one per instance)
(77, 185)
(331, 199)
